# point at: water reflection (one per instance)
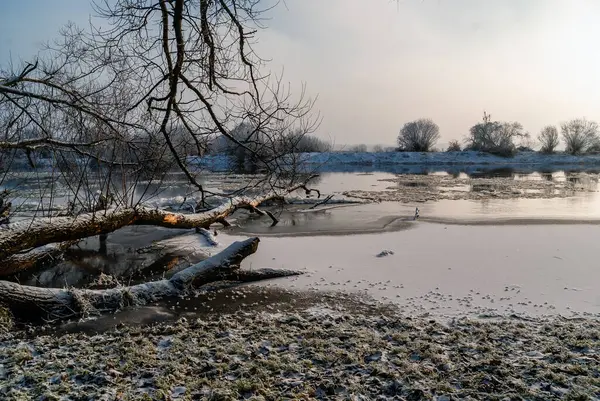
(131, 255)
(335, 220)
(493, 173)
(396, 216)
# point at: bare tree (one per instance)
(299, 142)
(495, 137)
(419, 136)
(548, 139)
(103, 116)
(286, 143)
(453, 146)
(361, 148)
(580, 135)
(197, 75)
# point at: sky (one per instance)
(378, 64)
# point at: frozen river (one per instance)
(467, 256)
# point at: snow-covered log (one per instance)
(55, 303)
(210, 237)
(21, 236)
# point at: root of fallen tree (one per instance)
(19, 241)
(31, 303)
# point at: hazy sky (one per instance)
(377, 64)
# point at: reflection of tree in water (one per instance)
(300, 218)
(483, 187)
(454, 173)
(287, 218)
(82, 266)
(414, 184)
(493, 173)
(582, 181)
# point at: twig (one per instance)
(309, 190)
(272, 216)
(324, 201)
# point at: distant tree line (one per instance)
(259, 144)
(501, 138)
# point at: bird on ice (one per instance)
(416, 213)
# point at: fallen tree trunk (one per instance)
(265, 273)
(53, 303)
(239, 277)
(20, 236)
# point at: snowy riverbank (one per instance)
(413, 162)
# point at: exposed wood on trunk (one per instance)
(55, 303)
(20, 236)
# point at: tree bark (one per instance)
(31, 303)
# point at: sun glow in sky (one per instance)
(377, 64)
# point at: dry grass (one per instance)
(312, 353)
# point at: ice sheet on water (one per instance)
(172, 201)
(189, 243)
(339, 200)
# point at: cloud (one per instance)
(377, 64)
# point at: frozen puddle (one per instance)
(450, 270)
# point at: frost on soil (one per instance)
(344, 353)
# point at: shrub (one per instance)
(299, 142)
(524, 148)
(357, 148)
(454, 146)
(594, 149)
(580, 135)
(418, 136)
(263, 143)
(548, 139)
(495, 137)
(256, 144)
